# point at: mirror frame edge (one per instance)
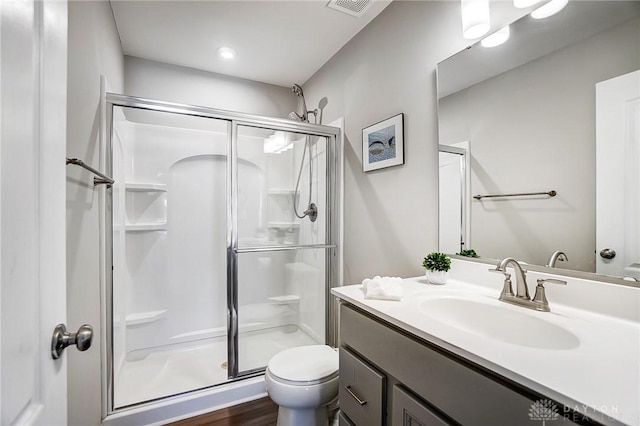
(589, 276)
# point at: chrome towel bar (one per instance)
(551, 193)
(101, 180)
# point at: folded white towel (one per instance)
(382, 288)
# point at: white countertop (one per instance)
(598, 376)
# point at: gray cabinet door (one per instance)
(344, 420)
(410, 411)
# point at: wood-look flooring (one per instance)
(261, 412)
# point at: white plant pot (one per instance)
(437, 277)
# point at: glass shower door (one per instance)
(281, 256)
(213, 264)
(169, 254)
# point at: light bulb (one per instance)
(549, 9)
(521, 4)
(475, 18)
(497, 38)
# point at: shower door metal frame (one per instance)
(233, 249)
(234, 119)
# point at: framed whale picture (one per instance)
(383, 144)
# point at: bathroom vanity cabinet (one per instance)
(391, 377)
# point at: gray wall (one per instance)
(391, 215)
(155, 80)
(94, 50)
(539, 136)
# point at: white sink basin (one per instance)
(504, 323)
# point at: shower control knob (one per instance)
(62, 338)
(607, 253)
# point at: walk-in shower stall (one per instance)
(209, 272)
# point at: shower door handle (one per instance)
(62, 338)
(607, 253)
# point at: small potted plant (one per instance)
(437, 267)
(468, 253)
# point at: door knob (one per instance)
(607, 253)
(62, 338)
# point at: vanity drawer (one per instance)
(361, 391)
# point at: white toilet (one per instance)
(303, 381)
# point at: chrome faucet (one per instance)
(522, 298)
(522, 292)
(557, 255)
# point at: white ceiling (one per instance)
(278, 42)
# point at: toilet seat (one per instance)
(304, 365)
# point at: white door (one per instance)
(450, 238)
(453, 203)
(618, 176)
(33, 40)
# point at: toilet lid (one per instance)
(305, 363)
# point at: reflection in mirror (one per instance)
(453, 201)
(555, 108)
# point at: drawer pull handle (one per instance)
(361, 402)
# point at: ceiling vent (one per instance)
(355, 8)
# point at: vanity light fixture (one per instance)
(226, 52)
(549, 9)
(497, 38)
(521, 4)
(475, 18)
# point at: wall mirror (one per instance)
(554, 113)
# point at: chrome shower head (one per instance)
(298, 91)
(294, 116)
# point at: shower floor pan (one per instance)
(170, 372)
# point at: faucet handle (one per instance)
(507, 289)
(541, 281)
(540, 298)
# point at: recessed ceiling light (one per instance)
(548, 9)
(226, 53)
(497, 38)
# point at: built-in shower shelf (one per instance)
(145, 317)
(286, 299)
(286, 192)
(146, 227)
(283, 226)
(145, 187)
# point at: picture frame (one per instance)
(383, 144)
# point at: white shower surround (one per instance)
(153, 315)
